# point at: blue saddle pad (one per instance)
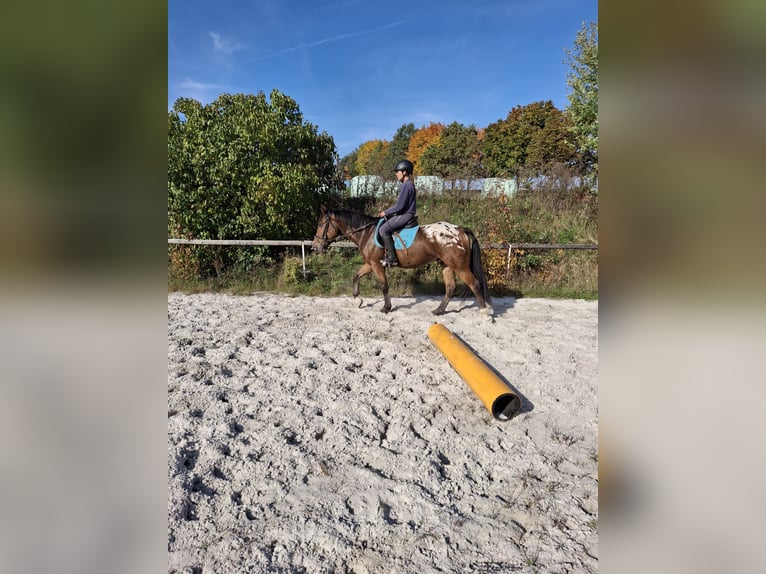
(403, 238)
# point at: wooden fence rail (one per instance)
(302, 243)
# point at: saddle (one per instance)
(404, 237)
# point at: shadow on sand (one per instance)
(500, 305)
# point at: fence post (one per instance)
(508, 263)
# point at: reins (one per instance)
(337, 230)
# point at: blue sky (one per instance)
(360, 69)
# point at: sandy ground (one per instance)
(309, 435)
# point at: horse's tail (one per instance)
(476, 266)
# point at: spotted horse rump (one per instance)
(444, 233)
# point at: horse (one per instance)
(455, 248)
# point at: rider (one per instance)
(400, 214)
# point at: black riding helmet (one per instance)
(405, 166)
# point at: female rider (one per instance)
(400, 214)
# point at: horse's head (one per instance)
(326, 231)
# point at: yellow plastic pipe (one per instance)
(500, 400)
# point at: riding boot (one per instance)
(390, 260)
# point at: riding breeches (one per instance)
(395, 223)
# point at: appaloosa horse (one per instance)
(454, 247)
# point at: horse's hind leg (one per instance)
(449, 288)
(473, 283)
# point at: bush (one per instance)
(292, 272)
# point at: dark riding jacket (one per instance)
(406, 202)
(402, 212)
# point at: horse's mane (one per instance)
(353, 218)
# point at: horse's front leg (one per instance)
(363, 270)
(380, 273)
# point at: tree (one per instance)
(421, 140)
(456, 155)
(347, 165)
(371, 157)
(244, 167)
(583, 99)
(397, 149)
(529, 138)
(551, 144)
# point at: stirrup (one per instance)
(387, 263)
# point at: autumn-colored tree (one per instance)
(457, 154)
(528, 138)
(371, 157)
(421, 140)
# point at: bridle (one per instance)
(339, 235)
(324, 239)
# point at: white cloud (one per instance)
(221, 44)
(189, 84)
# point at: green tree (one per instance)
(551, 144)
(583, 98)
(397, 149)
(244, 167)
(456, 154)
(347, 165)
(529, 138)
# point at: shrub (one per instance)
(292, 271)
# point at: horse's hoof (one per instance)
(438, 312)
(385, 310)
